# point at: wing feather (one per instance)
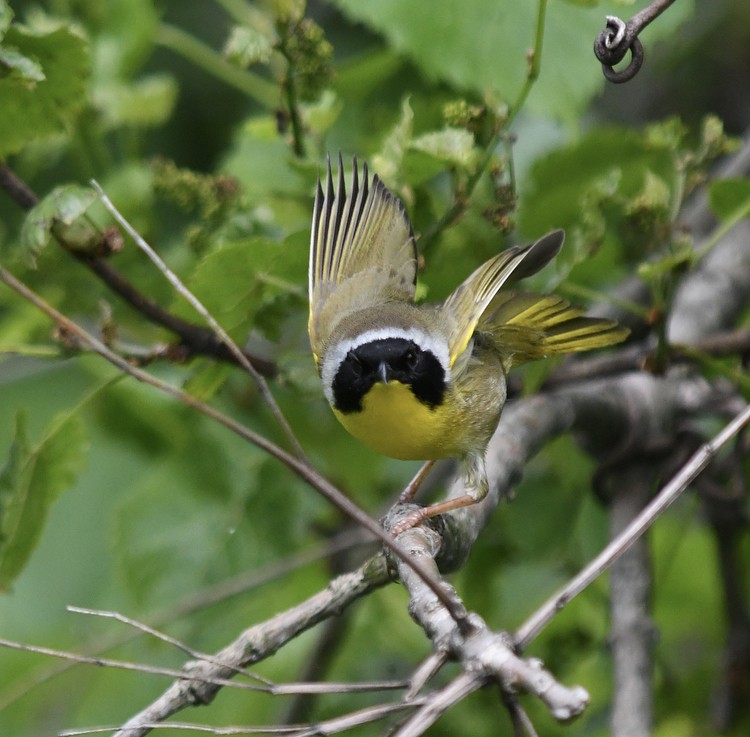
(466, 305)
(362, 251)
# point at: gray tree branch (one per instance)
(632, 633)
(256, 644)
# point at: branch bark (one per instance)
(256, 644)
(631, 630)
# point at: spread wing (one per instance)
(466, 305)
(524, 327)
(362, 252)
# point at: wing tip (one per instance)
(539, 254)
(340, 220)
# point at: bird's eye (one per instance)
(411, 359)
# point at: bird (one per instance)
(424, 381)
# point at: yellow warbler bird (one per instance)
(424, 382)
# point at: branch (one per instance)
(632, 633)
(198, 306)
(198, 600)
(194, 339)
(724, 496)
(256, 644)
(640, 524)
(485, 656)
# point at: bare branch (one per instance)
(319, 729)
(633, 532)
(485, 656)
(122, 664)
(434, 707)
(257, 643)
(631, 632)
(724, 495)
(198, 600)
(189, 651)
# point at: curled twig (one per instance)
(619, 37)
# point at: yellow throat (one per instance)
(395, 423)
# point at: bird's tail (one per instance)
(524, 327)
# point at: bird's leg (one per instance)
(477, 486)
(408, 494)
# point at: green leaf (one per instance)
(599, 190)
(126, 39)
(728, 197)
(50, 105)
(452, 145)
(60, 208)
(247, 46)
(388, 162)
(147, 102)
(207, 378)
(320, 115)
(260, 160)
(17, 66)
(166, 539)
(482, 45)
(236, 280)
(6, 16)
(31, 481)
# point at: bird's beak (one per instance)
(383, 372)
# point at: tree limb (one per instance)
(256, 644)
(631, 635)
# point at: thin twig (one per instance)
(126, 665)
(460, 204)
(522, 724)
(191, 652)
(207, 597)
(319, 729)
(200, 308)
(459, 688)
(619, 37)
(544, 615)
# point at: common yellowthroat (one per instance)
(424, 382)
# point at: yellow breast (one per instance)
(395, 423)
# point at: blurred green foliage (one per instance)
(207, 124)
